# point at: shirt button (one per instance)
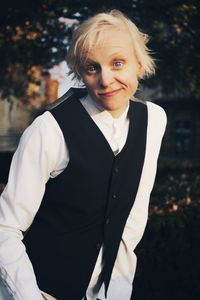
(107, 221)
(98, 246)
(114, 196)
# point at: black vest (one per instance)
(88, 204)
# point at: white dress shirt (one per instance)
(42, 153)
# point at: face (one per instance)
(111, 72)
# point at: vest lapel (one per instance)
(131, 157)
(126, 174)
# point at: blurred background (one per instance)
(34, 36)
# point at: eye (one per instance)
(91, 69)
(118, 64)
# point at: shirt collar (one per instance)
(97, 112)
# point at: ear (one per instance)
(140, 72)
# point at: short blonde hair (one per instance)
(91, 31)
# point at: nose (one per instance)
(106, 78)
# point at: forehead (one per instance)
(110, 42)
(108, 35)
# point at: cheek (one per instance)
(133, 86)
(134, 82)
(90, 84)
(133, 79)
(129, 80)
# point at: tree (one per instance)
(175, 27)
(35, 33)
(31, 35)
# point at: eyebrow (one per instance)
(90, 62)
(115, 54)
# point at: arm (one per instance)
(35, 160)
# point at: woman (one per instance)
(81, 178)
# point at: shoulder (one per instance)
(43, 141)
(156, 115)
(155, 111)
(43, 129)
(157, 118)
(155, 108)
(43, 122)
(71, 94)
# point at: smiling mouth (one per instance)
(109, 93)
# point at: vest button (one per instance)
(116, 170)
(107, 221)
(114, 196)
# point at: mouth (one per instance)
(109, 93)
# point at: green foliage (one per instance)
(31, 34)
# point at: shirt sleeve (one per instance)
(41, 154)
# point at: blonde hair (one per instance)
(92, 30)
